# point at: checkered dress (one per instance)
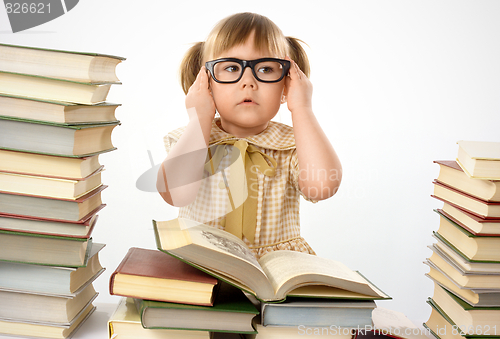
(278, 221)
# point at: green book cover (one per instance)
(460, 228)
(38, 235)
(86, 155)
(84, 264)
(59, 103)
(56, 124)
(64, 51)
(465, 305)
(229, 300)
(441, 238)
(438, 309)
(431, 331)
(27, 127)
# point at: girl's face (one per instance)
(247, 106)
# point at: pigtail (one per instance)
(191, 65)
(298, 54)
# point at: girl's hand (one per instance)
(298, 89)
(200, 98)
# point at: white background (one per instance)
(396, 84)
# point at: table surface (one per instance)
(96, 326)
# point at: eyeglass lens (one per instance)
(231, 71)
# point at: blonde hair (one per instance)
(235, 30)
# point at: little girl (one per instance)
(257, 168)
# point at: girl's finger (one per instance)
(297, 70)
(293, 70)
(198, 78)
(203, 78)
(195, 85)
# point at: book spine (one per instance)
(118, 270)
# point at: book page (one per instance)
(481, 149)
(229, 256)
(221, 241)
(216, 251)
(393, 324)
(384, 318)
(319, 291)
(181, 232)
(288, 269)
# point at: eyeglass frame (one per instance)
(209, 65)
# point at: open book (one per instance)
(273, 277)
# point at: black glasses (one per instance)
(230, 70)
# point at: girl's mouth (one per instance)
(248, 102)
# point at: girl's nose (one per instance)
(248, 79)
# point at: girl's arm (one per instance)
(320, 171)
(181, 172)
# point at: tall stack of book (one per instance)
(296, 292)
(465, 263)
(54, 123)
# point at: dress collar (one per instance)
(276, 136)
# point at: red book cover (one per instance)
(487, 203)
(79, 200)
(83, 221)
(449, 163)
(156, 264)
(440, 211)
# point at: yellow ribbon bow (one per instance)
(242, 220)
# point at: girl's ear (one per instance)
(284, 94)
(283, 98)
(209, 79)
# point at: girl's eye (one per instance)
(265, 70)
(232, 68)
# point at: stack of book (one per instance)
(54, 123)
(169, 298)
(465, 263)
(296, 293)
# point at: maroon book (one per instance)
(154, 275)
(81, 230)
(479, 207)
